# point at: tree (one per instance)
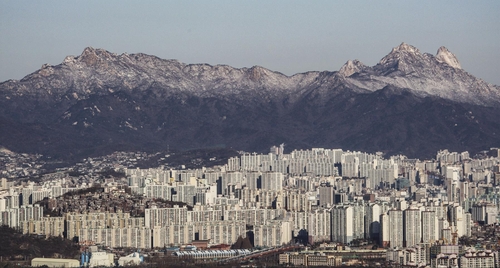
(238, 243)
(246, 244)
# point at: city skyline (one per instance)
(277, 202)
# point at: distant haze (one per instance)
(285, 36)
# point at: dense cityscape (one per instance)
(317, 207)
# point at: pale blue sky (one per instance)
(285, 36)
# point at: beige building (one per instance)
(135, 237)
(477, 259)
(304, 259)
(77, 221)
(296, 201)
(251, 216)
(99, 220)
(48, 226)
(273, 233)
(3, 184)
(159, 216)
(217, 232)
(51, 262)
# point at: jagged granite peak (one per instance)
(90, 56)
(257, 73)
(399, 52)
(404, 47)
(403, 58)
(426, 75)
(351, 67)
(445, 56)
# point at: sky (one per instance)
(285, 36)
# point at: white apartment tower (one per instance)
(395, 224)
(342, 223)
(412, 227)
(347, 223)
(428, 226)
(372, 221)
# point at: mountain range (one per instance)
(409, 103)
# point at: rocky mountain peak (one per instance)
(351, 67)
(404, 47)
(402, 57)
(92, 56)
(445, 56)
(256, 73)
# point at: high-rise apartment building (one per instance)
(392, 228)
(428, 226)
(412, 227)
(326, 195)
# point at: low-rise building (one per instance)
(52, 262)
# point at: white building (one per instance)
(412, 227)
(392, 228)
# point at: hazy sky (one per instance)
(285, 36)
